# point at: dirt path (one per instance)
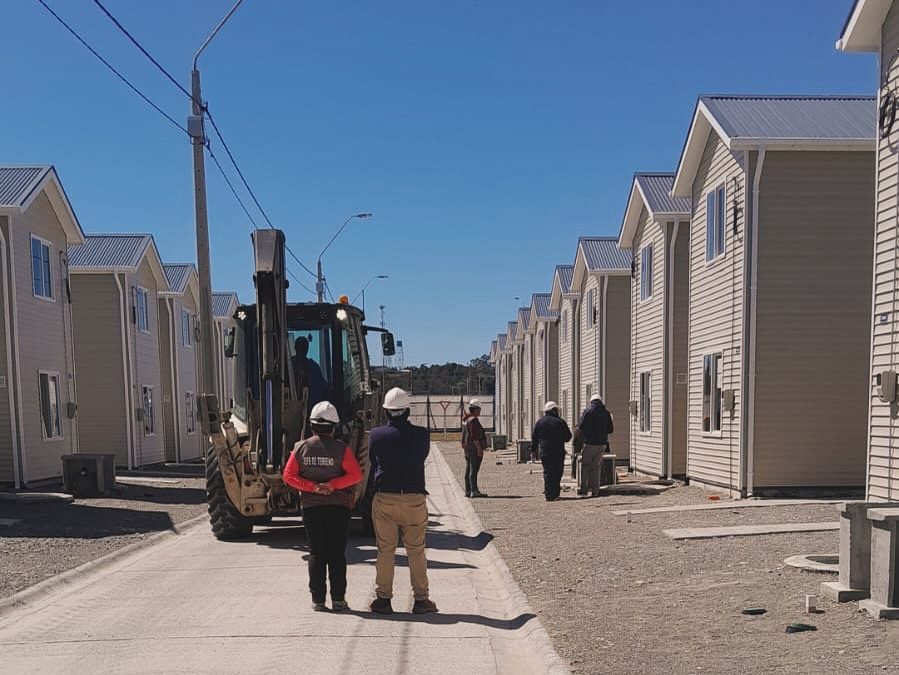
(620, 597)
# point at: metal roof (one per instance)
(501, 340)
(656, 189)
(512, 329)
(524, 318)
(794, 117)
(222, 303)
(18, 182)
(109, 251)
(566, 273)
(178, 275)
(602, 253)
(540, 303)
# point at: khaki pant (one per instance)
(392, 513)
(591, 462)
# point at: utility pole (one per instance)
(383, 358)
(198, 140)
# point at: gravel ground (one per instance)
(52, 537)
(620, 597)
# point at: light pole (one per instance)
(320, 282)
(198, 139)
(362, 292)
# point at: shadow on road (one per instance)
(156, 494)
(447, 619)
(79, 521)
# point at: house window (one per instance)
(646, 273)
(565, 326)
(149, 412)
(645, 401)
(588, 309)
(189, 411)
(41, 283)
(564, 404)
(714, 223)
(711, 393)
(142, 309)
(186, 322)
(51, 415)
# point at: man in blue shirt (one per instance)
(397, 452)
(550, 435)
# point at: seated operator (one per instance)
(308, 373)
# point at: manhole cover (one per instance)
(816, 562)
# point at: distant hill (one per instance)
(476, 377)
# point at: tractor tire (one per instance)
(226, 521)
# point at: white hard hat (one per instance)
(596, 397)
(550, 405)
(324, 413)
(474, 403)
(396, 399)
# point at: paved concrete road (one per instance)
(195, 605)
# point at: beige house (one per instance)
(544, 328)
(179, 356)
(526, 382)
(37, 369)
(224, 307)
(874, 27)
(501, 404)
(601, 278)
(565, 302)
(780, 285)
(116, 282)
(656, 229)
(513, 344)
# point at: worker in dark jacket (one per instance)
(397, 452)
(324, 470)
(474, 441)
(593, 429)
(550, 435)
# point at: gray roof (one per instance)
(221, 304)
(540, 302)
(109, 251)
(524, 317)
(512, 329)
(794, 117)
(501, 340)
(566, 274)
(602, 253)
(178, 275)
(656, 187)
(18, 182)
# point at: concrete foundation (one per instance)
(884, 600)
(855, 554)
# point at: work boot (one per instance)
(478, 493)
(339, 605)
(319, 607)
(424, 607)
(381, 606)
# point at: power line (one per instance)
(112, 68)
(231, 186)
(297, 279)
(144, 51)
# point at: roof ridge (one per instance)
(793, 97)
(117, 234)
(661, 174)
(181, 264)
(605, 237)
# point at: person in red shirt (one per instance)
(324, 470)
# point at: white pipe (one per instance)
(173, 362)
(129, 407)
(669, 345)
(4, 254)
(69, 337)
(605, 333)
(23, 457)
(753, 302)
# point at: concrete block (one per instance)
(884, 577)
(855, 554)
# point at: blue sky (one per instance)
(484, 136)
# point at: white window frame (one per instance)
(190, 412)
(50, 375)
(186, 328)
(712, 393)
(141, 292)
(646, 273)
(48, 281)
(148, 405)
(645, 404)
(565, 326)
(715, 223)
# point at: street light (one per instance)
(362, 292)
(320, 283)
(198, 139)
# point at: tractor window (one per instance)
(310, 358)
(355, 378)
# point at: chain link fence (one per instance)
(444, 411)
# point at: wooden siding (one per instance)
(165, 364)
(617, 360)
(883, 425)
(515, 389)
(188, 377)
(716, 317)
(648, 350)
(551, 391)
(568, 362)
(813, 318)
(527, 385)
(43, 342)
(102, 409)
(7, 470)
(589, 340)
(679, 333)
(540, 338)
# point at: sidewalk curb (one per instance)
(537, 638)
(42, 589)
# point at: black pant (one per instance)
(327, 528)
(553, 466)
(472, 466)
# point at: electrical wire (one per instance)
(112, 69)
